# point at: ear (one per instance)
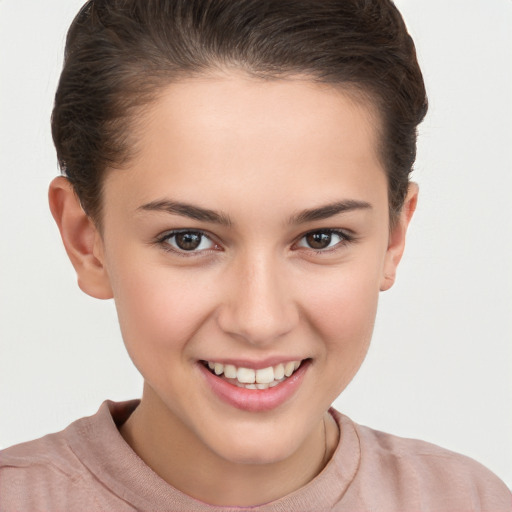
(81, 239)
(397, 238)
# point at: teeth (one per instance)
(279, 371)
(289, 368)
(246, 375)
(255, 379)
(230, 371)
(265, 375)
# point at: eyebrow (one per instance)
(329, 210)
(187, 210)
(207, 215)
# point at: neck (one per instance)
(170, 449)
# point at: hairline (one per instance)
(139, 111)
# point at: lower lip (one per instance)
(255, 400)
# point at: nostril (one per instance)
(258, 309)
(256, 329)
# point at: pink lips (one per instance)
(255, 400)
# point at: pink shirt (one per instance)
(89, 467)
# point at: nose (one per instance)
(258, 305)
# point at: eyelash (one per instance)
(163, 241)
(345, 237)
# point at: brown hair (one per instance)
(121, 53)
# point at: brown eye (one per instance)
(326, 239)
(188, 241)
(318, 240)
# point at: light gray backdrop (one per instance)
(440, 367)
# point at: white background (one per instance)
(440, 367)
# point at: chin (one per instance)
(257, 448)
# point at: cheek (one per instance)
(346, 311)
(342, 309)
(347, 295)
(159, 310)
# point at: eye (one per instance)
(187, 241)
(323, 239)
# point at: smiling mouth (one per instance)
(249, 378)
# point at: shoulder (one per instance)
(51, 473)
(414, 472)
(51, 452)
(31, 471)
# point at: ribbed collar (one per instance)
(96, 441)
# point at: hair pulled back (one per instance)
(121, 53)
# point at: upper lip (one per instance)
(256, 364)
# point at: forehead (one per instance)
(233, 135)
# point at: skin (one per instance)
(260, 153)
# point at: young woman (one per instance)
(236, 178)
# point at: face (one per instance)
(250, 232)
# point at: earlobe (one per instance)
(397, 237)
(81, 239)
